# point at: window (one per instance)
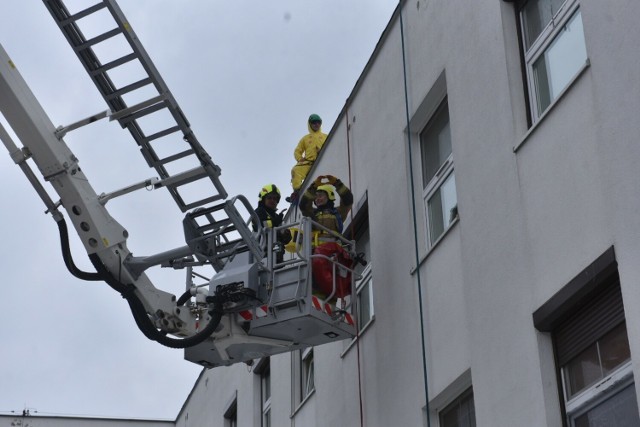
(586, 322)
(263, 369)
(595, 363)
(303, 377)
(460, 413)
(306, 373)
(364, 286)
(365, 299)
(438, 178)
(554, 48)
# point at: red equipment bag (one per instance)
(323, 270)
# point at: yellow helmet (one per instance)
(269, 189)
(327, 188)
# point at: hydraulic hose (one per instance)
(142, 319)
(138, 311)
(68, 258)
(184, 298)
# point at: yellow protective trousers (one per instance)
(299, 173)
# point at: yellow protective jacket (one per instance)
(310, 145)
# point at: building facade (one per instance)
(491, 149)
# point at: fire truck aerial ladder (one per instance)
(254, 305)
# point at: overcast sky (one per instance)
(247, 74)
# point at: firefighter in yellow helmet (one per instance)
(322, 195)
(269, 197)
(306, 153)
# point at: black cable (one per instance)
(138, 311)
(68, 258)
(184, 298)
(142, 319)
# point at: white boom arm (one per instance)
(101, 235)
(255, 305)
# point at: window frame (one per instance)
(597, 393)
(435, 183)
(263, 370)
(307, 373)
(455, 404)
(357, 229)
(366, 282)
(579, 315)
(543, 42)
(594, 394)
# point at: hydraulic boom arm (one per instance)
(217, 323)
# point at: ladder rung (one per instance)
(162, 133)
(98, 39)
(114, 63)
(141, 112)
(129, 88)
(127, 116)
(83, 13)
(207, 211)
(176, 157)
(128, 111)
(195, 204)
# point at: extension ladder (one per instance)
(152, 104)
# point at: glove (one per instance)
(284, 236)
(318, 180)
(332, 179)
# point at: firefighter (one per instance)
(269, 197)
(306, 153)
(331, 217)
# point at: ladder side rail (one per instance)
(112, 96)
(86, 12)
(161, 86)
(251, 239)
(158, 81)
(87, 57)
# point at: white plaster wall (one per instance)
(612, 35)
(214, 390)
(466, 40)
(530, 220)
(388, 360)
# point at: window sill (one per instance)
(358, 337)
(301, 404)
(533, 127)
(435, 244)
